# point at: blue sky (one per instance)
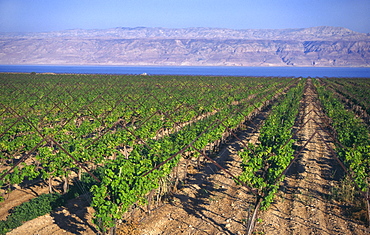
(53, 15)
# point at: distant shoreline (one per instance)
(156, 65)
(281, 71)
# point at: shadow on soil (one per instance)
(78, 208)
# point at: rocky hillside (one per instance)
(317, 46)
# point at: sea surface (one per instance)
(192, 70)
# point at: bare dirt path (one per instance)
(305, 204)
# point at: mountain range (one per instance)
(316, 46)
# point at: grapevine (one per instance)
(264, 162)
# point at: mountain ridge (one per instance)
(315, 46)
(322, 32)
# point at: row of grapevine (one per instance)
(127, 181)
(355, 90)
(55, 125)
(353, 136)
(82, 113)
(264, 162)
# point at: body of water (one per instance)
(193, 70)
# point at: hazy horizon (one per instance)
(54, 15)
(158, 27)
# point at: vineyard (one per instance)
(182, 154)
